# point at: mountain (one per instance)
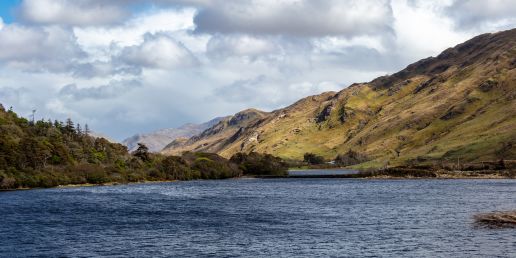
(460, 105)
(155, 141)
(101, 135)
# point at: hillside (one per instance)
(157, 140)
(458, 105)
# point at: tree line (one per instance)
(50, 153)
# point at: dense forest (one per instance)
(51, 153)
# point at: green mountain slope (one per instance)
(458, 105)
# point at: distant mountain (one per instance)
(155, 141)
(101, 135)
(458, 105)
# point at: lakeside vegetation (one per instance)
(52, 153)
(357, 161)
(47, 154)
(260, 164)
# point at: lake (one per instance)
(259, 217)
(321, 172)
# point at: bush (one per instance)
(211, 166)
(313, 159)
(6, 182)
(350, 158)
(175, 168)
(93, 174)
(260, 164)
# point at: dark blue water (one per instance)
(260, 217)
(321, 172)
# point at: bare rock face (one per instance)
(487, 85)
(325, 113)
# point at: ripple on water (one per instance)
(270, 217)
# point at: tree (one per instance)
(174, 167)
(350, 158)
(260, 164)
(313, 159)
(69, 127)
(142, 152)
(78, 129)
(87, 130)
(58, 124)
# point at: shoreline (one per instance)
(90, 185)
(358, 176)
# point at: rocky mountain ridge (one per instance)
(157, 140)
(458, 105)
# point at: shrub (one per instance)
(211, 166)
(260, 164)
(174, 168)
(350, 158)
(313, 159)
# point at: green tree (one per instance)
(313, 159)
(87, 130)
(142, 152)
(69, 127)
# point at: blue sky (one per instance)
(7, 9)
(162, 63)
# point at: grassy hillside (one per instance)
(458, 105)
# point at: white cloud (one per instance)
(471, 14)
(221, 46)
(131, 32)
(158, 51)
(263, 92)
(421, 30)
(38, 49)
(71, 12)
(110, 90)
(305, 18)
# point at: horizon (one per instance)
(125, 69)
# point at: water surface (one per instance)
(321, 172)
(260, 217)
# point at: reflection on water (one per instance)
(260, 217)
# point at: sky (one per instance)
(134, 66)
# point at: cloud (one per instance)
(10, 95)
(105, 69)
(263, 92)
(38, 49)
(113, 89)
(93, 13)
(469, 14)
(160, 63)
(158, 51)
(72, 12)
(221, 46)
(423, 29)
(300, 18)
(241, 90)
(131, 31)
